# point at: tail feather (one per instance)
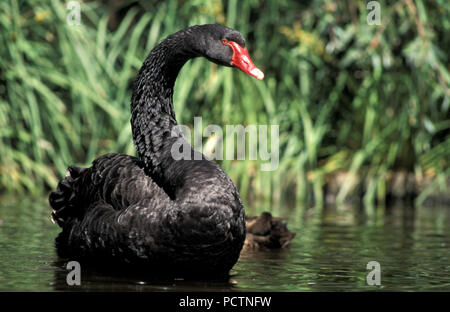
(64, 200)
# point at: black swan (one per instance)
(153, 212)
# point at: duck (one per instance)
(154, 212)
(266, 232)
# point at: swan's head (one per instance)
(225, 46)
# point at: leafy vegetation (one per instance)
(355, 102)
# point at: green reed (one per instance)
(353, 100)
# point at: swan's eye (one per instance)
(224, 41)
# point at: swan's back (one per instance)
(124, 217)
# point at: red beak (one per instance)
(242, 60)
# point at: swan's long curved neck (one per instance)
(153, 118)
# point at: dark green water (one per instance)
(330, 253)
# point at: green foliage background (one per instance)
(353, 100)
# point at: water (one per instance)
(330, 253)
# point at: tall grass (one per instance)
(355, 102)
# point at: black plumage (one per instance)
(153, 212)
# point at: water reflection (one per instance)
(94, 279)
(329, 253)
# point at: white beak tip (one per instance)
(257, 73)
